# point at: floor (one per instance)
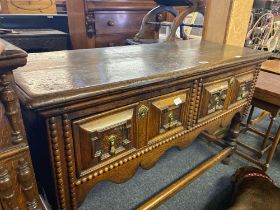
(212, 191)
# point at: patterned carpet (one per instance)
(212, 191)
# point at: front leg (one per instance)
(233, 134)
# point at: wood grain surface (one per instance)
(272, 66)
(268, 88)
(57, 77)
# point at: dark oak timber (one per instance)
(99, 114)
(18, 188)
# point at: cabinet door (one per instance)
(167, 113)
(101, 138)
(214, 97)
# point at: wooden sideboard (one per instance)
(99, 114)
(105, 23)
(18, 188)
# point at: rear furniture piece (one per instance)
(18, 188)
(100, 119)
(37, 40)
(267, 98)
(105, 23)
(150, 24)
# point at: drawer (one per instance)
(166, 113)
(112, 40)
(242, 87)
(215, 96)
(101, 138)
(113, 22)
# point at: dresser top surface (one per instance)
(57, 77)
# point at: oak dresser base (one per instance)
(128, 106)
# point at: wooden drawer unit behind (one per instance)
(118, 22)
(99, 138)
(89, 19)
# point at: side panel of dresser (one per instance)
(18, 188)
(97, 140)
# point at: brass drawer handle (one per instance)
(112, 141)
(172, 121)
(143, 111)
(111, 23)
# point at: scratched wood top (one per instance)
(58, 77)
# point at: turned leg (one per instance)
(272, 149)
(233, 134)
(250, 116)
(267, 134)
(248, 122)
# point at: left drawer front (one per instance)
(102, 137)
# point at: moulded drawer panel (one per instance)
(100, 138)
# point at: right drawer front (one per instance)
(242, 87)
(167, 113)
(214, 97)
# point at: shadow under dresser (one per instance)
(99, 114)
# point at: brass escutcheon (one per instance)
(231, 81)
(143, 111)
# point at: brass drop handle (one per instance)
(217, 99)
(111, 23)
(112, 141)
(172, 121)
(171, 118)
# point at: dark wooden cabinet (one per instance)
(105, 23)
(18, 187)
(100, 114)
